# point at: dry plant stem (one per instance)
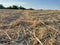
(37, 38)
(26, 42)
(18, 33)
(7, 35)
(48, 27)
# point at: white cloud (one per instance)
(10, 3)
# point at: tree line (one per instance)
(14, 7)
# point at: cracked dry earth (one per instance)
(29, 27)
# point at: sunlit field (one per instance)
(29, 27)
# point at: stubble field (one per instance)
(29, 27)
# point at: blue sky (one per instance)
(37, 4)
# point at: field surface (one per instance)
(29, 27)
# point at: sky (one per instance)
(36, 4)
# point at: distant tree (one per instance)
(30, 9)
(14, 7)
(9, 7)
(1, 6)
(22, 8)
